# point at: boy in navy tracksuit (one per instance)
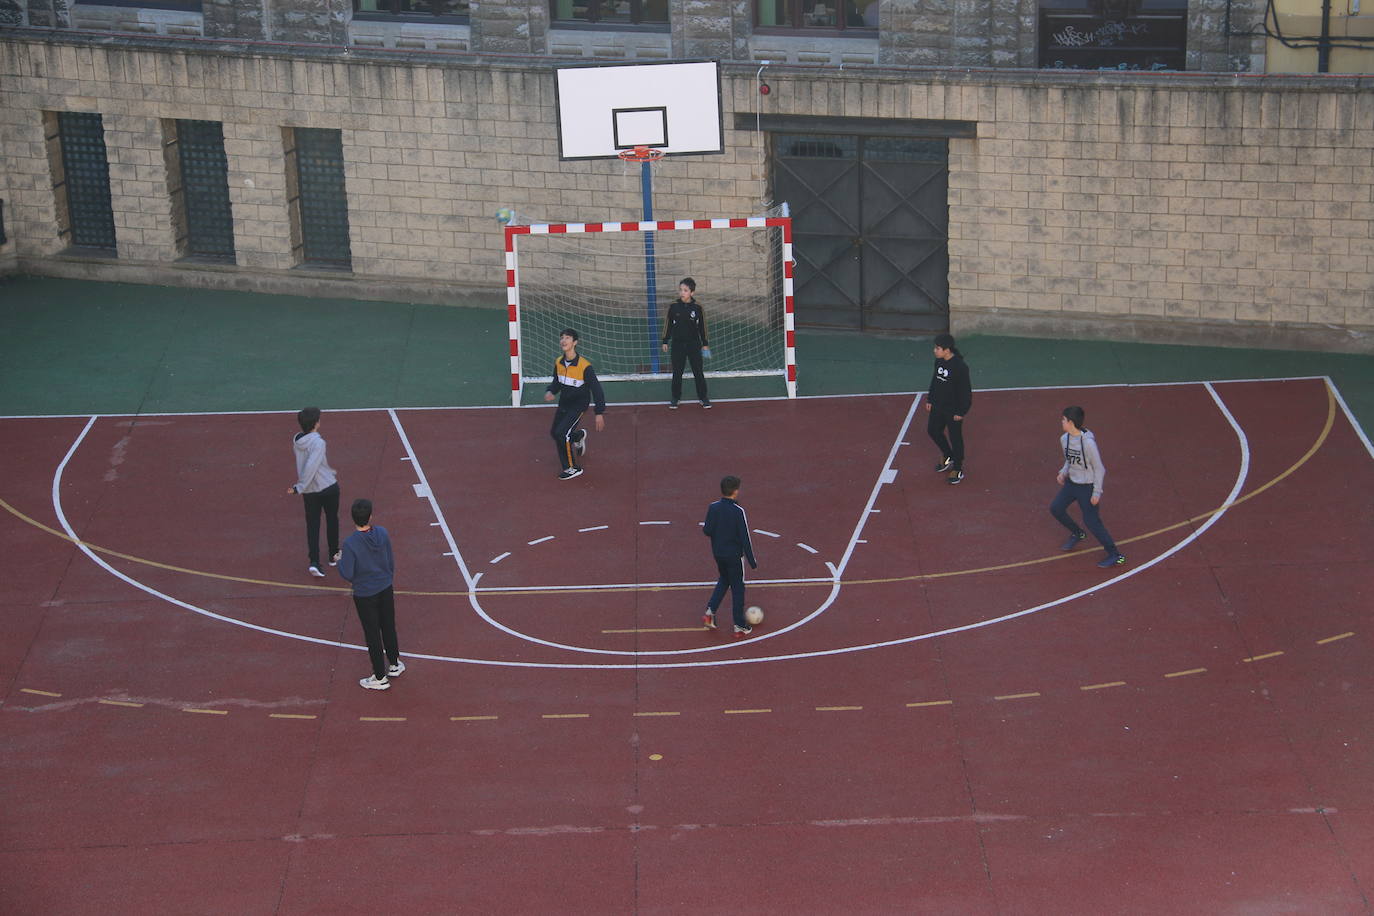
(367, 564)
(728, 529)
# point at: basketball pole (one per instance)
(646, 188)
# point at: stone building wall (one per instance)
(1165, 206)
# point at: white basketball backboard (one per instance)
(605, 108)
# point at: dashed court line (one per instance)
(675, 713)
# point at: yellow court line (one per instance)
(1260, 658)
(744, 712)
(657, 630)
(1320, 642)
(472, 718)
(381, 718)
(206, 712)
(658, 714)
(931, 703)
(1017, 696)
(566, 715)
(41, 693)
(1103, 686)
(120, 703)
(837, 708)
(1186, 673)
(289, 715)
(915, 577)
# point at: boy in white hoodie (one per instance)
(318, 486)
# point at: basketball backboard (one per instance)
(605, 108)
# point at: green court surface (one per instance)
(82, 347)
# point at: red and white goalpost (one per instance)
(613, 282)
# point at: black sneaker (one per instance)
(741, 632)
(1073, 540)
(1115, 559)
(570, 473)
(672, 405)
(944, 465)
(956, 477)
(706, 404)
(708, 620)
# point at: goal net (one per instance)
(613, 283)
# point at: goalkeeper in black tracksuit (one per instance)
(576, 384)
(685, 332)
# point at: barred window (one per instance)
(440, 10)
(817, 15)
(610, 12)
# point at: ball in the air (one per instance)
(505, 215)
(754, 616)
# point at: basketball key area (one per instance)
(939, 702)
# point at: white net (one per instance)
(598, 282)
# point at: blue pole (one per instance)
(650, 266)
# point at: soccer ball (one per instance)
(753, 616)
(505, 215)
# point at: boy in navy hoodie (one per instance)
(367, 564)
(728, 528)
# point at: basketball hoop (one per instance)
(641, 154)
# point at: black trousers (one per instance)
(326, 501)
(953, 446)
(730, 572)
(377, 614)
(565, 420)
(682, 352)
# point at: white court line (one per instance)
(547, 537)
(807, 547)
(877, 488)
(655, 523)
(592, 528)
(805, 397)
(841, 650)
(1359, 430)
(767, 534)
(497, 559)
(433, 503)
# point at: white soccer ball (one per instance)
(753, 616)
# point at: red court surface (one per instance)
(942, 713)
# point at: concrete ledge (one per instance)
(1060, 325)
(298, 282)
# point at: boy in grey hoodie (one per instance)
(318, 486)
(1080, 480)
(367, 564)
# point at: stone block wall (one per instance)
(1119, 204)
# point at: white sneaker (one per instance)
(397, 669)
(334, 560)
(371, 683)
(315, 571)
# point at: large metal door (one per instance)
(205, 189)
(86, 177)
(870, 222)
